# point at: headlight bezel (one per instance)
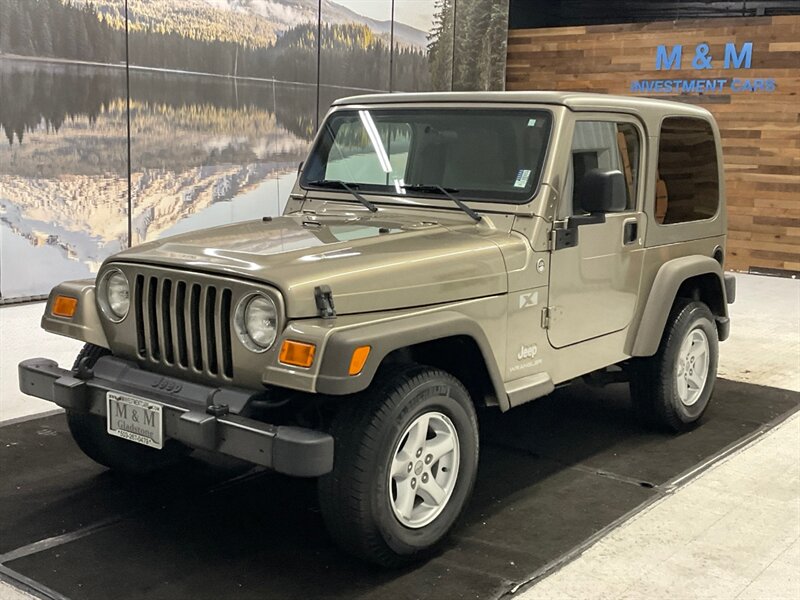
(103, 295)
(240, 322)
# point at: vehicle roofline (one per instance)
(575, 101)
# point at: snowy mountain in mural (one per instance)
(221, 103)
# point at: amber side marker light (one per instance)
(359, 359)
(64, 306)
(297, 354)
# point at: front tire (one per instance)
(672, 388)
(89, 432)
(404, 467)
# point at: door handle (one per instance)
(630, 232)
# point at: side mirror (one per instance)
(602, 192)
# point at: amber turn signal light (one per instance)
(297, 354)
(64, 306)
(359, 359)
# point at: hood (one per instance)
(371, 263)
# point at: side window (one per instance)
(687, 188)
(356, 157)
(607, 146)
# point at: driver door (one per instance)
(596, 259)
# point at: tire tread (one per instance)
(344, 493)
(651, 378)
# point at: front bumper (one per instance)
(200, 416)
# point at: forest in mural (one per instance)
(234, 46)
(220, 97)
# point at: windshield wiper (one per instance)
(445, 192)
(350, 188)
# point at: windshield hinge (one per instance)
(546, 317)
(324, 299)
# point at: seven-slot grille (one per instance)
(184, 324)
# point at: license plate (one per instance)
(135, 419)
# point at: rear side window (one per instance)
(687, 188)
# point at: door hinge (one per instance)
(563, 238)
(546, 317)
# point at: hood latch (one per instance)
(324, 299)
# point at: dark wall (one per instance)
(528, 14)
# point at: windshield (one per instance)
(480, 154)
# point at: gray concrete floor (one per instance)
(731, 533)
(734, 531)
(21, 338)
(764, 346)
(9, 592)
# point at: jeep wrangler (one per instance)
(440, 253)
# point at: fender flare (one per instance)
(85, 325)
(668, 280)
(387, 336)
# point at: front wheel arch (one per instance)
(411, 337)
(458, 355)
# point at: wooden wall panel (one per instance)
(760, 131)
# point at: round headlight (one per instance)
(257, 322)
(115, 295)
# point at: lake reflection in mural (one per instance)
(63, 173)
(224, 100)
(197, 141)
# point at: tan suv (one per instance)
(440, 253)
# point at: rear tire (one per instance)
(89, 432)
(404, 466)
(672, 388)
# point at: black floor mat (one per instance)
(552, 474)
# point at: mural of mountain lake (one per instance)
(268, 199)
(204, 151)
(63, 173)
